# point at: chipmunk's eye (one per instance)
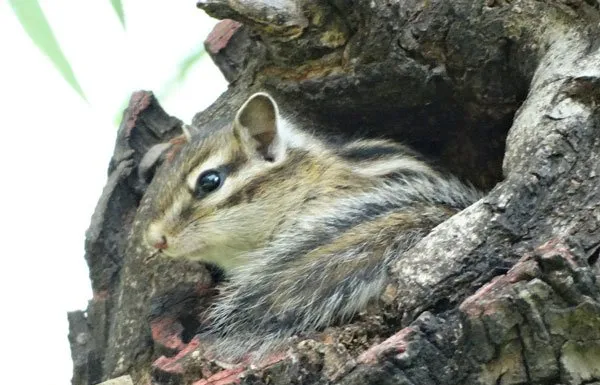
(207, 182)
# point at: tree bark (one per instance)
(505, 94)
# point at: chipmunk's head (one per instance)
(215, 197)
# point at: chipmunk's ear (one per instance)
(256, 126)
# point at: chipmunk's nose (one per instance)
(156, 238)
(162, 244)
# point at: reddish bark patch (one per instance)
(555, 247)
(395, 344)
(168, 365)
(101, 295)
(139, 101)
(225, 377)
(525, 269)
(174, 365)
(166, 331)
(220, 35)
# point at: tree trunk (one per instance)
(505, 94)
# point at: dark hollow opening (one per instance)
(191, 327)
(457, 138)
(593, 258)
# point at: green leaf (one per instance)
(188, 62)
(118, 118)
(118, 7)
(36, 25)
(184, 68)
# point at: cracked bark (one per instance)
(504, 94)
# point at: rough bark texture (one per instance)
(504, 93)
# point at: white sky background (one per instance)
(55, 152)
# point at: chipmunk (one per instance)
(304, 229)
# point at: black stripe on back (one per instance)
(369, 152)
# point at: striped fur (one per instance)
(305, 230)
